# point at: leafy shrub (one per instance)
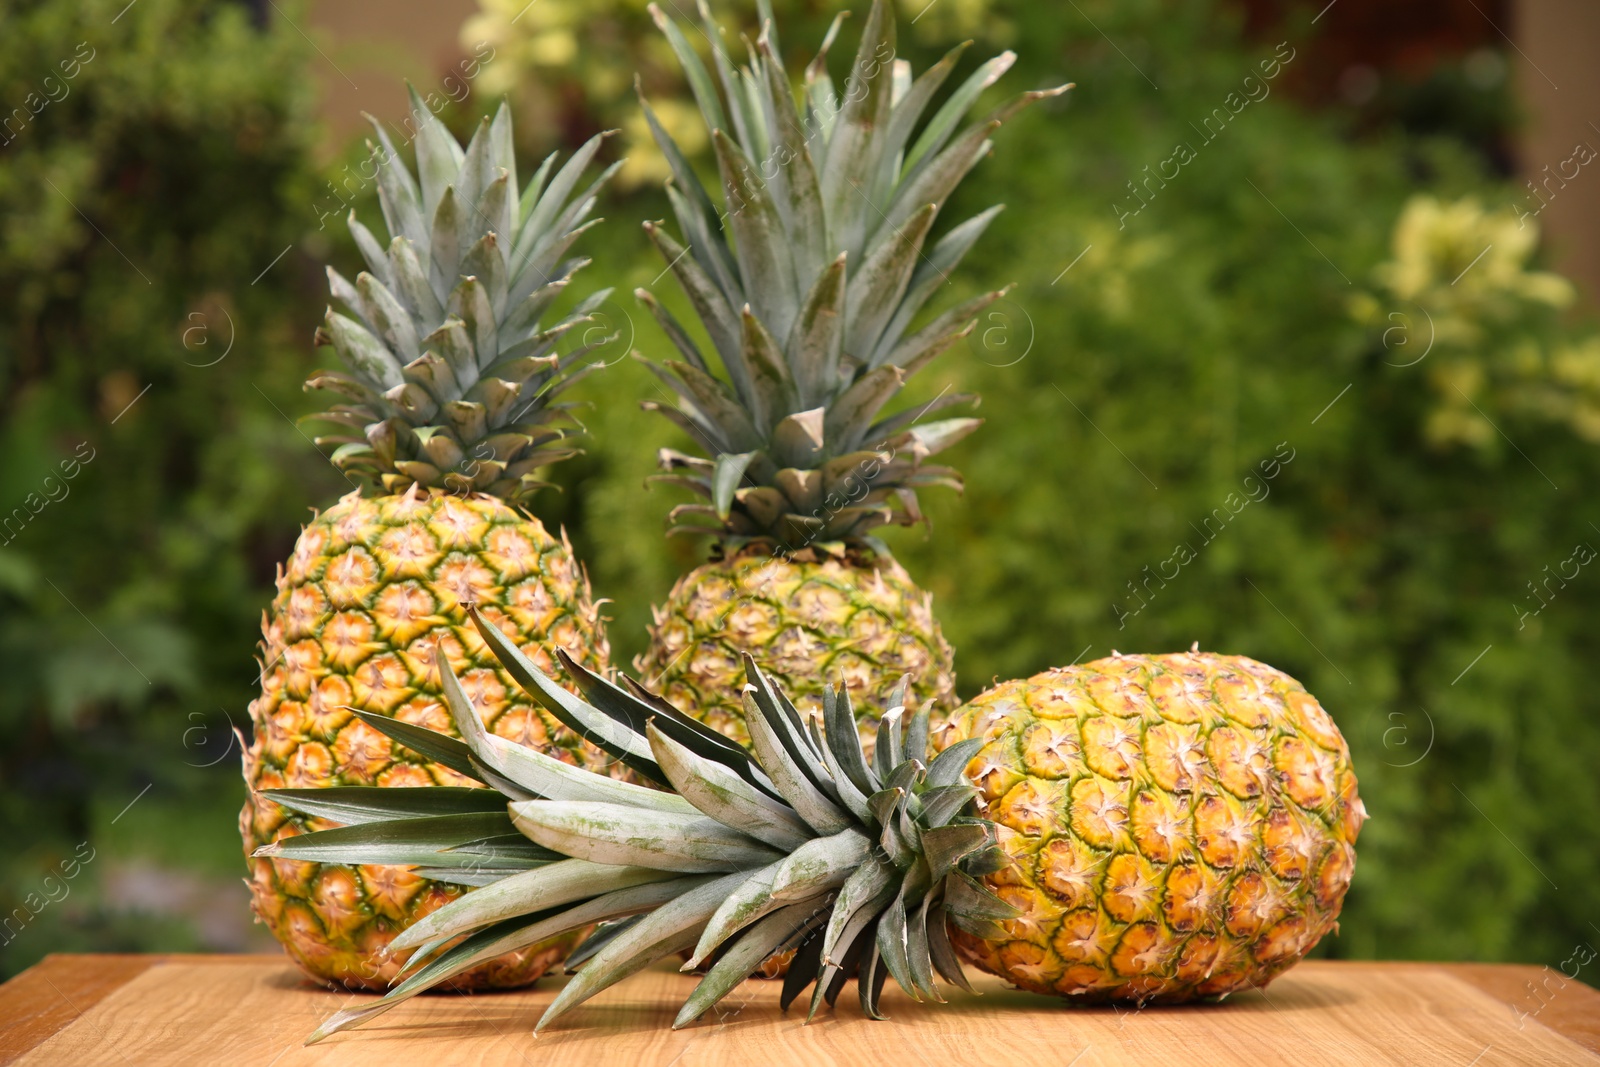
(1204, 426)
(151, 191)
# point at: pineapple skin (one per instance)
(806, 620)
(372, 584)
(1180, 826)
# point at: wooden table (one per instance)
(255, 1010)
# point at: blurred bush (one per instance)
(154, 177)
(571, 65)
(1459, 275)
(1214, 410)
(1211, 419)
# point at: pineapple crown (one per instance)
(829, 204)
(858, 864)
(451, 378)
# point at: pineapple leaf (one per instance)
(940, 804)
(891, 943)
(439, 748)
(625, 835)
(880, 286)
(799, 440)
(936, 134)
(932, 272)
(945, 847)
(721, 794)
(444, 244)
(554, 201)
(472, 181)
(366, 357)
(820, 864)
(919, 959)
(856, 144)
(818, 337)
(587, 722)
(715, 313)
(749, 902)
(703, 229)
(845, 741)
(370, 249)
(869, 983)
(398, 196)
(712, 403)
(753, 946)
(791, 159)
(671, 928)
(907, 113)
(853, 413)
(434, 841)
(765, 264)
(354, 805)
(954, 325)
(411, 284)
(942, 952)
(537, 773)
(543, 888)
(786, 767)
(725, 479)
(705, 91)
(502, 152)
(603, 935)
(673, 329)
(804, 966)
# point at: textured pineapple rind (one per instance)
(1180, 826)
(372, 584)
(806, 623)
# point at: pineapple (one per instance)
(1142, 828)
(810, 309)
(449, 393)
(1178, 826)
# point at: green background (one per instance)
(160, 255)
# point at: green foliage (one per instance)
(573, 63)
(152, 177)
(1229, 341)
(1210, 348)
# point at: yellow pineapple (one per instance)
(861, 619)
(1142, 828)
(830, 203)
(449, 387)
(1177, 826)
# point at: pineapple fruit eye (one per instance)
(1179, 826)
(831, 199)
(995, 835)
(445, 419)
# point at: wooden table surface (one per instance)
(243, 1011)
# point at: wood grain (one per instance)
(256, 1011)
(54, 992)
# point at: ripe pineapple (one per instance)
(449, 391)
(1178, 826)
(810, 309)
(1174, 828)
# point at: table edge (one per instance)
(34, 1006)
